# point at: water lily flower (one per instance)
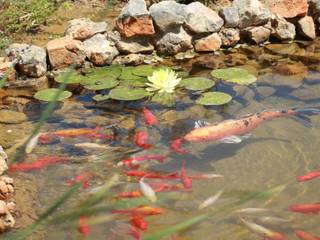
(163, 81)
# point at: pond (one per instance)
(258, 172)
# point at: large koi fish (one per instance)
(236, 127)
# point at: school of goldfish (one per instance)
(151, 183)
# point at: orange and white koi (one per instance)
(211, 200)
(267, 234)
(149, 117)
(83, 178)
(147, 191)
(186, 181)
(134, 161)
(139, 222)
(142, 210)
(39, 164)
(141, 139)
(312, 208)
(236, 127)
(309, 176)
(306, 236)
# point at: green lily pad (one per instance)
(128, 94)
(100, 97)
(102, 84)
(214, 98)
(113, 71)
(72, 77)
(48, 94)
(143, 70)
(182, 74)
(165, 99)
(234, 75)
(127, 74)
(197, 83)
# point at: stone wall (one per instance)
(168, 28)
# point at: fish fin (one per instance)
(231, 140)
(200, 124)
(304, 120)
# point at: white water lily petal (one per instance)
(163, 81)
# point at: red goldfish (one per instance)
(306, 236)
(141, 210)
(132, 194)
(309, 176)
(139, 222)
(176, 146)
(235, 127)
(39, 164)
(83, 177)
(134, 161)
(313, 208)
(134, 232)
(140, 174)
(48, 138)
(83, 226)
(186, 181)
(141, 139)
(149, 118)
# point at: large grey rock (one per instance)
(83, 28)
(99, 50)
(31, 59)
(229, 36)
(251, 13)
(178, 40)
(210, 43)
(135, 20)
(201, 19)
(230, 16)
(257, 35)
(167, 14)
(135, 45)
(282, 29)
(306, 27)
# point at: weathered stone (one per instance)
(287, 8)
(306, 27)
(99, 50)
(210, 43)
(230, 16)
(12, 117)
(282, 29)
(31, 59)
(135, 19)
(314, 11)
(256, 34)
(130, 59)
(83, 28)
(135, 45)
(229, 36)
(251, 13)
(178, 40)
(201, 19)
(3, 161)
(23, 86)
(167, 14)
(64, 52)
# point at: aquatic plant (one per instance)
(197, 83)
(49, 94)
(214, 98)
(163, 81)
(234, 75)
(127, 94)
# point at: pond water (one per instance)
(273, 155)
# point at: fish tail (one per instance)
(302, 115)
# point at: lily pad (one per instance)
(48, 95)
(143, 70)
(214, 98)
(182, 74)
(100, 97)
(113, 71)
(234, 75)
(102, 84)
(197, 83)
(127, 74)
(128, 94)
(72, 77)
(165, 99)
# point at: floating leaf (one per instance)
(49, 94)
(166, 99)
(73, 77)
(102, 84)
(128, 94)
(182, 74)
(127, 74)
(113, 71)
(197, 83)
(143, 70)
(100, 97)
(234, 75)
(214, 98)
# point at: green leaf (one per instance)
(214, 98)
(234, 75)
(48, 95)
(197, 83)
(113, 71)
(143, 70)
(182, 74)
(100, 97)
(102, 84)
(175, 228)
(74, 77)
(128, 94)
(165, 99)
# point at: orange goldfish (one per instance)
(83, 226)
(149, 118)
(176, 146)
(134, 232)
(79, 132)
(309, 176)
(306, 236)
(39, 164)
(313, 208)
(141, 139)
(139, 222)
(140, 174)
(186, 181)
(141, 210)
(134, 161)
(234, 127)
